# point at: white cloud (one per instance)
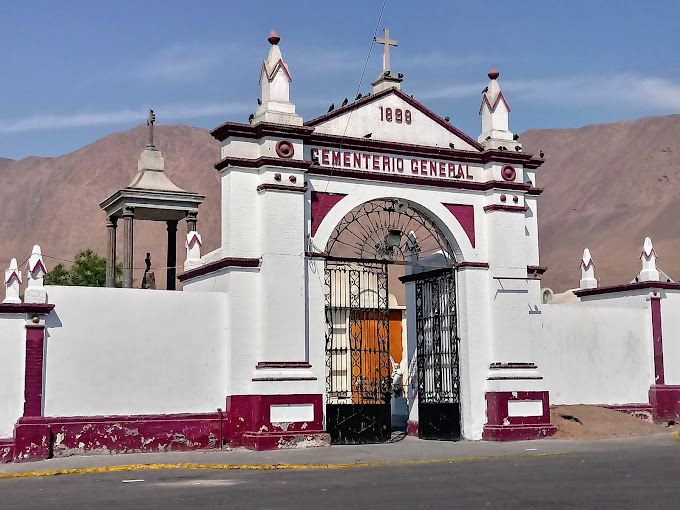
(623, 89)
(126, 116)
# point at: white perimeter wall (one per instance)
(12, 361)
(670, 330)
(595, 354)
(133, 351)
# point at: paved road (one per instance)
(637, 474)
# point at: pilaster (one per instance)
(128, 246)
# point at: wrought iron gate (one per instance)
(437, 356)
(358, 369)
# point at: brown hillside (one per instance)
(608, 186)
(54, 202)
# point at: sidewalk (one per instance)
(408, 449)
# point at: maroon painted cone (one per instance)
(273, 37)
(493, 74)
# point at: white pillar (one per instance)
(588, 280)
(648, 257)
(12, 283)
(35, 271)
(193, 246)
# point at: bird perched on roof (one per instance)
(359, 96)
(488, 138)
(386, 73)
(251, 117)
(447, 119)
(259, 101)
(400, 75)
(331, 107)
(344, 103)
(515, 136)
(518, 148)
(486, 89)
(541, 154)
(452, 146)
(368, 135)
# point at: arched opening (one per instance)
(373, 253)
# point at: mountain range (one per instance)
(606, 187)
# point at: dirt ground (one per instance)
(592, 422)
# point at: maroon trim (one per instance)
(281, 187)
(465, 214)
(412, 428)
(506, 208)
(627, 287)
(286, 378)
(260, 162)
(480, 265)
(517, 432)
(417, 181)
(534, 191)
(35, 352)
(501, 427)
(408, 99)
(657, 340)
(26, 308)
(213, 267)
(283, 364)
(314, 255)
(508, 173)
(278, 65)
(513, 378)
(515, 278)
(249, 424)
(665, 401)
(515, 365)
(322, 203)
(536, 270)
(285, 149)
(414, 150)
(224, 131)
(492, 108)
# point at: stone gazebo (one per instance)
(150, 196)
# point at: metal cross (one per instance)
(387, 42)
(149, 122)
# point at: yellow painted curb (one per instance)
(676, 435)
(257, 467)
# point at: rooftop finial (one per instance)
(493, 73)
(273, 37)
(386, 42)
(149, 122)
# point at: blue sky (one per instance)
(75, 71)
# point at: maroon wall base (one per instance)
(501, 427)
(665, 401)
(6, 450)
(248, 423)
(412, 428)
(32, 439)
(41, 438)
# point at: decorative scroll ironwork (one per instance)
(437, 357)
(388, 229)
(437, 340)
(358, 368)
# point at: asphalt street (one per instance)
(637, 474)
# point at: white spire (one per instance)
(35, 269)
(494, 111)
(193, 245)
(648, 256)
(275, 82)
(588, 280)
(12, 282)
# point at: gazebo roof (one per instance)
(151, 193)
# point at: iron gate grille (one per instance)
(437, 357)
(358, 364)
